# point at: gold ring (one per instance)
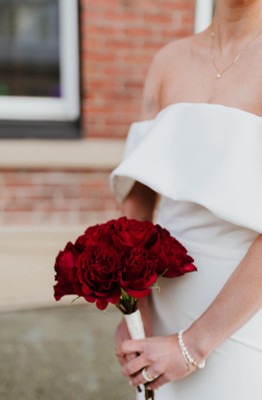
(147, 377)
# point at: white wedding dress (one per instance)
(205, 161)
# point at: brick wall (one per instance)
(41, 209)
(55, 198)
(118, 40)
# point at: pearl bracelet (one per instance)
(186, 353)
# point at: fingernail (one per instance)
(131, 383)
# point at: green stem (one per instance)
(146, 393)
(149, 394)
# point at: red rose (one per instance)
(64, 265)
(173, 257)
(96, 275)
(129, 233)
(138, 274)
(94, 235)
(122, 253)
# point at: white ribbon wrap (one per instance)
(135, 325)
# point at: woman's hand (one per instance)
(121, 335)
(161, 356)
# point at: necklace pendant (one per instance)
(218, 76)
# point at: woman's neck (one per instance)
(236, 22)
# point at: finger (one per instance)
(134, 366)
(121, 335)
(139, 379)
(122, 361)
(122, 330)
(126, 359)
(130, 346)
(160, 381)
(130, 357)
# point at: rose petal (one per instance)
(101, 304)
(138, 293)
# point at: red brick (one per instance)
(158, 18)
(118, 41)
(138, 32)
(55, 197)
(181, 5)
(97, 31)
(188, 20)
(120, 16)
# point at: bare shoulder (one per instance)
(172, 55)
(176, 48)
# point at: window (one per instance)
(39, 65)
(204, 13)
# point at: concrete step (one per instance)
(64, 353)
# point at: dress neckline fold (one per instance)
(203, 104)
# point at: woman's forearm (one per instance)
(237, 302)
(140, 203)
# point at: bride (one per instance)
(198, 150)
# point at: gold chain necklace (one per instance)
(221, 72)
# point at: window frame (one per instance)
(203, 15)
(35, 110)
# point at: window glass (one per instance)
(29, 48)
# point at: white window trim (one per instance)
(67, 107)
(203, 15)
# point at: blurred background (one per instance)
(71, 78)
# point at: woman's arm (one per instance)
(237, 302)
(139, 204)
(141, 201)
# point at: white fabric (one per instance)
(205, 161)
(203, 153)
(135, 325)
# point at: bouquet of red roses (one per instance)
(119, 262)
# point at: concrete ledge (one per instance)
(88, 154)
(27, 257)
(65, 353)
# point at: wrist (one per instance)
(198, 343)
